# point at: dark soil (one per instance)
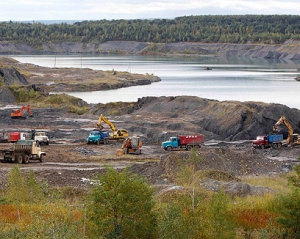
(228, 128)
(72, 162)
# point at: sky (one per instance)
(34, 10)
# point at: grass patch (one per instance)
(35, 98)
(277, 182)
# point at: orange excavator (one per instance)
(21, 113)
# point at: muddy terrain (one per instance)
(72, 162)
(228, 128)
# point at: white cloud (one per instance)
(18, 10)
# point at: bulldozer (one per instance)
(132, 145)
(116, 133)
(21, 113)
(292, 139)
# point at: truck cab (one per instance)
(41, 138)
(170, 144)
(260, 141)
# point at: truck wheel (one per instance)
(262, 146)
(41, 158)
(169, 148)
(189, 147)
(279, 145)
(26, 159)
(18, 159)
(98, 142)
(275, 146)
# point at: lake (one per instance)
(238, 79)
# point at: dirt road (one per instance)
(76, 164)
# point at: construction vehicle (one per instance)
(21, 113)
(40, 137)
(116, 133)
(132, 145)
(23, 151)
(11, 137)
(292, 139)
(186, 142)
(97, 137)
(267, 141)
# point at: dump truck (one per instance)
(98, 137)
(186, 142)
(268, 141)
(23, 151)
(11, 137)
(40, 137)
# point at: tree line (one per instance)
(268, 29)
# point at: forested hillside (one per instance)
(267, 29)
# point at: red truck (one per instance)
(183, 141)
(6, 137)
(267, 141)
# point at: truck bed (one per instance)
(191, 139)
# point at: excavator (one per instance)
(21, 113)
(116, 133)
(292, 139)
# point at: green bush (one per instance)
(122, 207)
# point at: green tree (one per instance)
(222, 225)
(122, 206)
(289, 207)
(16, 187)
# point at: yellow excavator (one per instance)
(292, 139)
(116, 133)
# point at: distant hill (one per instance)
(237, 29)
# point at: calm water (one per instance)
(240, 79)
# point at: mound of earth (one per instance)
(234, 188)
(157, 118)
(49, 79)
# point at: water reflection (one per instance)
(239, 78)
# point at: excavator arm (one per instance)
(105, 120)
(20, 112)
(284, 120)
(116, 133)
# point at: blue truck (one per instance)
(267, 141)
(98, 137)
(186, 142)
